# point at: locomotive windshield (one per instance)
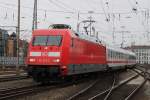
(40, 40)
(54, 40)
(47, 40)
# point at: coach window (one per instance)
(111, 54)
(124, 56)
(116, 55)
(108, 54)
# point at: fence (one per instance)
(11, 61)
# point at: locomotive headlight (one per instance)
(32, 60)
(56, 60)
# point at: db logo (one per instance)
(44, 54)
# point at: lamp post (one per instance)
(18, 35)
(34, 24)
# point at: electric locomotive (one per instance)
(60, 52)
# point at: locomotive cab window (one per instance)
(47, 40)
(39, 40)
(54, 40)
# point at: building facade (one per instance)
(8, 45)
(11, 50)
(142, 53)
(3, 41)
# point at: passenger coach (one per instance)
(120, 58)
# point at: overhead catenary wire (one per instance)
(13, 12)
(146, 10)
(28, 15)
(58, 5)
(14, 7)
(65, 5)
(94, 12)
(73, 10)
(39, 9)
(101, 2)
(46, 11)
(90, 5)
(142, 23)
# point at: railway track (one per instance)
(109, 92)
(143, 72)
(12, 92)
(13, 78)
(82, 95)
(104, 94)
(36, 88)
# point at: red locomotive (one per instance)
(56, 53)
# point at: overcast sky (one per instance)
(130, 17)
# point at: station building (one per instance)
(142, 53)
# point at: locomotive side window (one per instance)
(111, 54)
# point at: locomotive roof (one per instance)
(47, 31)
(82, 36)
(73, 33)
(121, 50)
(87, 37)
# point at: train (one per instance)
(60, 52)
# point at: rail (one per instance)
(112, 88)
(13, 78)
